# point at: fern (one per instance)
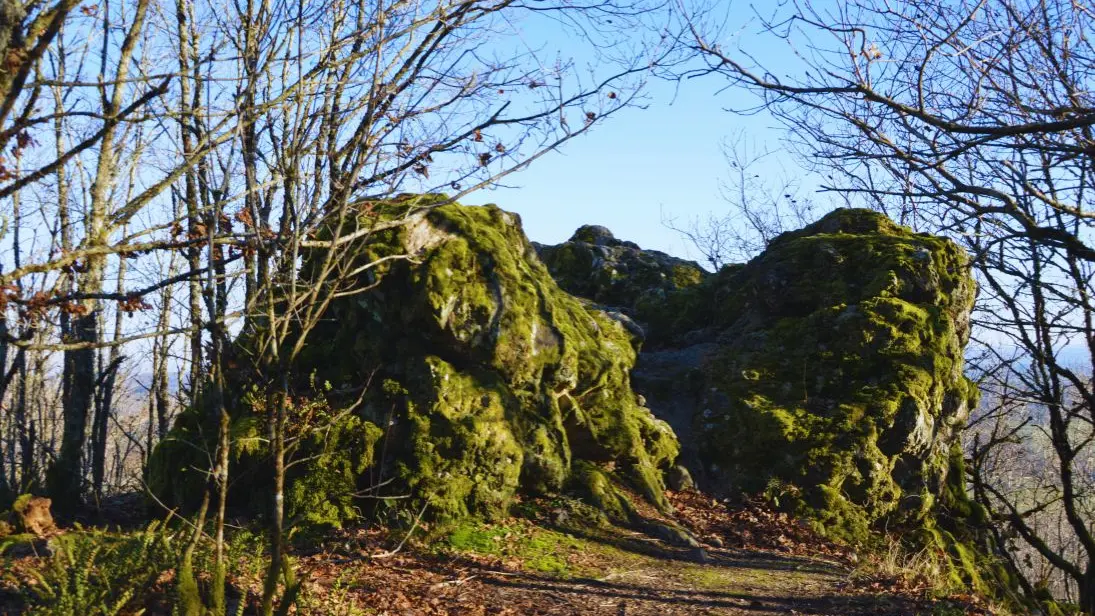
(94, 573)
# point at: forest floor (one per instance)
(744, 560)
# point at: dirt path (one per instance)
(523, 568)
(746, 560)
(745, 584)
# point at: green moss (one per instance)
(955, 502)
(174, 473)
(836, 388)
(684, 276)
(840, 380)
(495, 381)
(463, 457)
(330, 452)
(556, 372)
(535, 548)
(1050, 607)
(654, 288)
(966, 566)
(845, 357)
(16, 541)
(599, 487)
(323, 492)
(21, 502)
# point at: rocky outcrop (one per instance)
(649, 286)
(839, 375)
(826, 372)
(482, 379)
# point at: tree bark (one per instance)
(65, 477)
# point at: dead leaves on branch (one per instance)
(36, 308)
(133, 304)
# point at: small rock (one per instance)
(716, 541)
(679, 479)
(700, 555)
(31, 547)
(593, 234)
(673, 535)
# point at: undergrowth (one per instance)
(925, 571)
(96, 573)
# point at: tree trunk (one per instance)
(161, 385)
(28, 473)
(1087, 591)
(105, 397)
(65, 477)
(277, 513)
(104, 401)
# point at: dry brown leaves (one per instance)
(753, 526)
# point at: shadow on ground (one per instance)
(632, 598)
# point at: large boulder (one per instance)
(482, 379)
(826, 372)
(839, 379)
(647, 285)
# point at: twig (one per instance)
(399, 547)
(455, 582)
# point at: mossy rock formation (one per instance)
(488, 379)
(827, 371)
(827, 374)
(655, 289)
(840, 370)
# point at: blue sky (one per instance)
(627, 170)
(640, 163)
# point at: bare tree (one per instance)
(396, 99)
(168, 172)
(760, 205)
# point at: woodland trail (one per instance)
(731, 582)
(552, 559)
(752, 562)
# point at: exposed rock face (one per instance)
(595, 265)
(828, 372)
(489, 379)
